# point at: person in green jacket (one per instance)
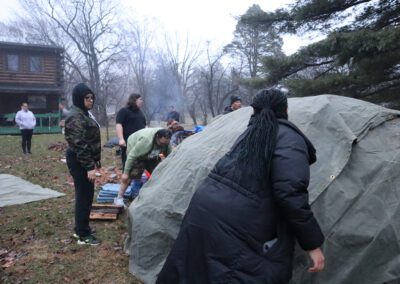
(146, 148)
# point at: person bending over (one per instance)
(145, 150)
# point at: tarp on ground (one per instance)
(15, 190)
(354, 190)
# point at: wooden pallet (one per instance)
(105, 212)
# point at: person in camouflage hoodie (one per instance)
(82, 133)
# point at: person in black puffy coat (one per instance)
(243, 220)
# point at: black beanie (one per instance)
(78, 95)
(235, 99)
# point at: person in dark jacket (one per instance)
(242, 222)
(129, 120)
(236, 103)
(82, 133)
(172, 115)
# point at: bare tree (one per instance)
(89, 36)
(182, 61)
(209, 75)
(165, 90)
(140, 56)
(115, 65)
(217, 83)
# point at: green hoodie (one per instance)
(139, 145)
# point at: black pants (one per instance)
(123, 156)
(26, 140)
(84, 191)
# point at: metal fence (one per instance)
(45, 123)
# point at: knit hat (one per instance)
(235, 99)
(78, 95)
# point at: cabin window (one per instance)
(37, 102)
(12, 62)
(35, 64)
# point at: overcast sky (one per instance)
(201, 20)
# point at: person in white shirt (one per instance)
(64, 113)
(26, 122)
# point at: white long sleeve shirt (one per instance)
(25, 119)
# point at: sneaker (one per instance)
(76, 237)
(89, 240)
(119, 201)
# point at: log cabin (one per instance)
(33, 74)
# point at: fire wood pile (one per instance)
(105, 212)
(108, 175)
(103, 176)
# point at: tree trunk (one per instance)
(192, 112)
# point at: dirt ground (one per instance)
(35, 240)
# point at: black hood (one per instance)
(311, 149)
(78, 95)
(235, 99)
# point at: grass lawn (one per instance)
(35, 240)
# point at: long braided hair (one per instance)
(260, 140)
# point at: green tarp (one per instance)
(15, 190)
(354, 190)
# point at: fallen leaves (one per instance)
(108, 175)
(66, 241)
(9, 257)
(103, 176)
(58, 146)
(43, 229)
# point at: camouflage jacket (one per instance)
(82, 133)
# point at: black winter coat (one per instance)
(227, 110)
(226, 233)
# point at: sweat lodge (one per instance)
(354, 190)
